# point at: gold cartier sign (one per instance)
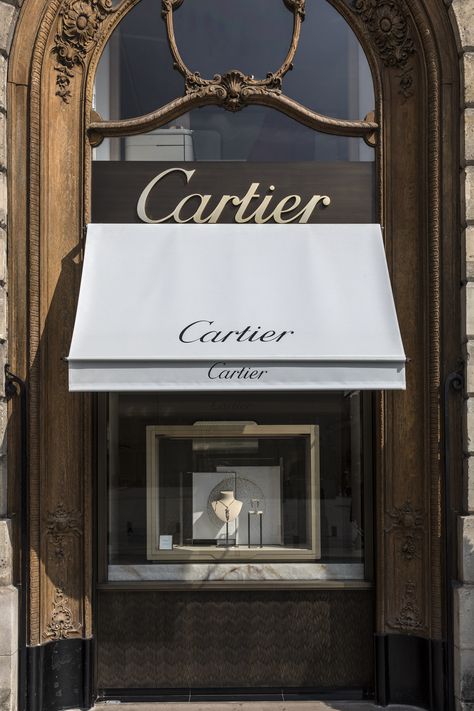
(251, 207)
(232, 191)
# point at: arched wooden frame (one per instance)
(412, 54)
(232, 90)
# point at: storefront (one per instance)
(236, 313)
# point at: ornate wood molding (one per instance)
(234, 86)
(98, 130)
(408, 522)
(61, 523)
(79, 26)
(62, 624)
(409, 618)
(232, 90)
(388, 25)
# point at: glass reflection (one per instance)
(343, 460)
(331, 73)
(214, 36)
(256, 134)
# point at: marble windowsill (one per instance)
(194, 572)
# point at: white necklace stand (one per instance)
(227, 508)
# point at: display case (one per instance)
(233, 491)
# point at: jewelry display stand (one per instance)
(227, 508)
(256, 512)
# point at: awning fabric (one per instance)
(235, 307)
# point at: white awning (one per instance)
(235, 307)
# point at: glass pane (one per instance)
(256, 134)
(136, 75)
(331, 74)
(214, 36)
(248, 491)
(188, 476)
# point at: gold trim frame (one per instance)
(243, 554)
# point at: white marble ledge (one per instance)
(191, 572)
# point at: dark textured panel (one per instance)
(411, 670)
(59, 675)
(320, 639)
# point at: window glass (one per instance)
(135, 74)
(330, 74)
(256, 134)
(191, 476)
(214, 36)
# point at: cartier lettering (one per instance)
(199, 331)
(221, 371)
(251, 207)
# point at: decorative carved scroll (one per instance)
(233, 91)
(98, 130)
(407, 529)
(387, 22)
(234, 88)
(170, 6)
(61, 524)
(78, 31)
(409, 522)
(409, 618)
(406, 516)
(61, 625)
(296, 6)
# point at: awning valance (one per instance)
(235, 307)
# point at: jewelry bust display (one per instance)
(226, 507)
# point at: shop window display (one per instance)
(233, 491)
(190, 477)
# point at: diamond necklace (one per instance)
(227, 507)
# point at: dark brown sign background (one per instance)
(117, 185)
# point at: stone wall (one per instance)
(8, 593)
(462, 16)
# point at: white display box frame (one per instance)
(211, 554)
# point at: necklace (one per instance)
(227, 507)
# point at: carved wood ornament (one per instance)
(78, 31)
(387, 23)
(233, 90)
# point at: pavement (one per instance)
(253, 706)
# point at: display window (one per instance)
(267, 487)
(246, 491)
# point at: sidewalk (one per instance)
(254, 706)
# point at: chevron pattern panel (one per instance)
(200, 639)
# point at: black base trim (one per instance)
(410, 670)
(59, 675)
(229, 694)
